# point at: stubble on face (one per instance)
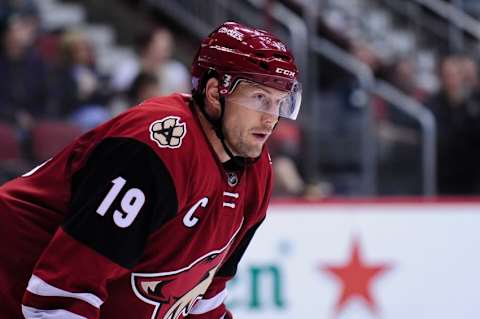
(241, 144)
(241, 129)
(247, 130)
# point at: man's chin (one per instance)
(253, 153)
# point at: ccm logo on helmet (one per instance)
(285, 72)
(233, 33)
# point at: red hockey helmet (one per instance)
(235, 52)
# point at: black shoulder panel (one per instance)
(119, 197)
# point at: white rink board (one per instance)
(433, 251)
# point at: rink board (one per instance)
(428, 253)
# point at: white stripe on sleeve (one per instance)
(205, 305)
(33, 313)
(39, 287)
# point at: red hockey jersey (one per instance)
(135, 219)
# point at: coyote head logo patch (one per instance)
(168, 132)
(175, 293)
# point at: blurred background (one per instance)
(391, 102)
(389, 132)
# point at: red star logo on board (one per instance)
(356, 278)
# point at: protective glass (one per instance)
(256, 97)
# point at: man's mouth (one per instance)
(260, 136)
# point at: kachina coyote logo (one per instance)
(168, 132)
(174, 293)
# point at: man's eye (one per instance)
(259, 97)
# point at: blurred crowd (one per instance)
(455, 106)
(454, 103)
(53, 78)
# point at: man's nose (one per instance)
(269, 120)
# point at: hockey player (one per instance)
(148, 215)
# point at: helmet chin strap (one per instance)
(217, 124)
(238, 161)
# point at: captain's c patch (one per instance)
(168, 132)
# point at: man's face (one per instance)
(246, 127)
(21, 32)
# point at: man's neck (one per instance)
(211, 136)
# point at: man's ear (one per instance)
(212, 98)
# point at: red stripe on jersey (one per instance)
(76, 306)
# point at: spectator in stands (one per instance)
(396, 125)
(155, 50)
(144, 86)
(330, 74)
(470, 74)
(399, 138)
(335, 88)
(23, 74)
(79, 91)
(403, 77)
(457, 115)
(285, 149)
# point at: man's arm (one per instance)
(212, 306)
(121, 194)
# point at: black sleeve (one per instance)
(119, 197)
(229, 268)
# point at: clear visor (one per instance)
(266, 99)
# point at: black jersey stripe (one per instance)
(229, 268)
(134, 170)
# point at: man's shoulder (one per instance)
(160, 130)
(166, 124)
(165, 120)
(176, 104)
